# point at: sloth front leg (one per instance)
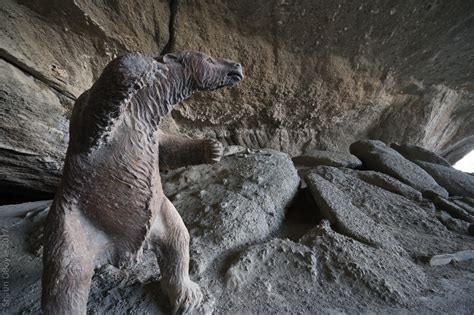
(178, 151)
(170, 240)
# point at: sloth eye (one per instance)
(210, 61)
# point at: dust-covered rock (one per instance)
(453, 224)
(325, 266)
(414, 152)
(314, 158)
(412, 224)
(389, 183)
(379, 157)
(465, 203)
(443, 259)
(381, 273)
(345, 217)
(456, 182)
(453, 209)
(239, 201)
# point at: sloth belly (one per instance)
(122, 193)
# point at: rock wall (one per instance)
(322, 74)
(319, 74)
(51, 51)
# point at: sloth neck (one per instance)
(157, 100)
(179, 85)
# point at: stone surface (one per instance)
(389, 183)
(34, 134)
(382, 214)
(385, 276)
(453, 209)
(319, 157)
(465, 203)
(390, 78)
(379, 157)
(66, 43)
(346, 218)
(324, 266)
(439, 260)
(457, 183)
(334, 83)
(413, 152)
(19, 210)
(453, 224)
(244, 194)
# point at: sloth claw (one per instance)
(214, 151)
(188, 298)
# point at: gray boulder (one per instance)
(465, 203)
(389, 183)
(453, 209)
(376, 216)
(453, 224)
(457, 183)
(414, 152)
(232, 203)
(347, 218)
(379, 157)
(318, 157)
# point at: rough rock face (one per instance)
(375, 247)
(245, 195)
(416, 153)
(399, 72)
(379, 157)
(320, 157)
(389, 183)
(346, 217)
(391, 71)
(66, 43)
(456, 182)
(33, 133)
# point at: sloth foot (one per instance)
(214, 151)
(186, 297)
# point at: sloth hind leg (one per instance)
(69, 262)
(170, 240)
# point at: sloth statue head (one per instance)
(206, 72)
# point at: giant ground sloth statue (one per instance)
(110, 203)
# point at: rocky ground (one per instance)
(386, 230)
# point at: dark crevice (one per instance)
(14, 194)
(35, 74)
(173, 4)
(300, 217)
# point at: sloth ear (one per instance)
(170, 58)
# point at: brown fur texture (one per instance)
(110, 203)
